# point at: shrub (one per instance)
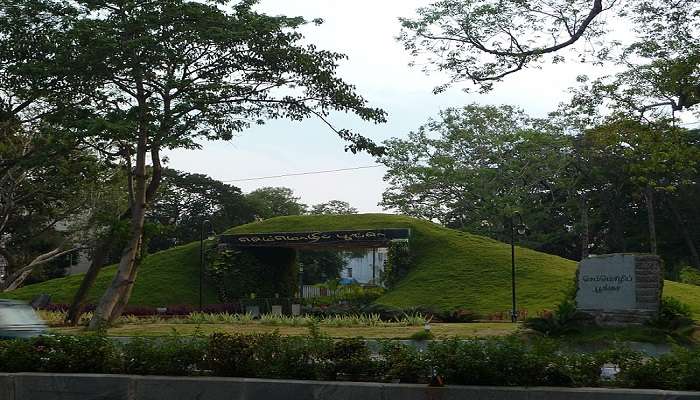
(422, 335)
(497, 361)
(561, 321)
(238, 273)
(351, 358)
(404, 363)
(173, 355)
(397, 265)
(357, 295)
(690, 276)
(673, 314)
(572, 369)
(90, 353)
(267, 356)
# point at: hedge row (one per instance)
(495, 362)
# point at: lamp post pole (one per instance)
(201, 259)
(520, 229)
(514, 312)
(301, 282)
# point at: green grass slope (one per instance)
(169, 277)
(452, 270)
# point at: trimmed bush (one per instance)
(496, 362)
(174, 356)
(673, 314)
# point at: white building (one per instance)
(368, 268)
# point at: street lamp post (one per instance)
(521, 229)
(201, 258)
(301, 281)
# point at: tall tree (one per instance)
(472, 167)
(333, 207)
(484, 41)
(270, 202)
(161, 74)
(657, 158)
(185, 200)
(49, 194)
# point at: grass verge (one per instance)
(439, 331)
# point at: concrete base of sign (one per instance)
(620, 289)
(276, 310)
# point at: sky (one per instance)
(378, 66)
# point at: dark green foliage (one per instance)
(173, 355)
(270, 202)
(511, 362)
(267, 356)
(351, 358)
(498, 361)
(264, 272)
(559, 322)
(333, 207)
(76, 354)
(397, 265)
(321, 266)
(678, 370)
(405, 362)
(358, 295)
(422, 335)
(470, 168)
(690, 276)
(673, 314)
(185, 200)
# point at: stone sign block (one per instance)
(620, 289)
(276, 310)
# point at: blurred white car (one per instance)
(18, 320)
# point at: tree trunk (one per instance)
(680, 223)
(618, 233)
(127, 263)
(584, 226)
(125, 293)
(649, 200)
(99, 259)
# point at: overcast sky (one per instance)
(378, 66)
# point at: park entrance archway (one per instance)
(265, 264)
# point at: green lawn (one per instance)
(452, 270)
(440, 331)
(170, 277)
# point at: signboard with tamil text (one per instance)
(607, 283)
(355, 238)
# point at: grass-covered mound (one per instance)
(166, 278)
(452, 270)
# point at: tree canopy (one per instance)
(157, 75)
(186, 200)
(483, 41)
(605, 189)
